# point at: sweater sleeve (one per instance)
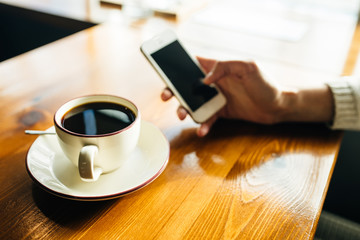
(346, 93)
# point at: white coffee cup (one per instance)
(95, 153)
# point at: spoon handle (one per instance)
(39, 132)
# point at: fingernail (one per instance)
(167, 93)
(182, 113)
(203, 130)
(205, 80)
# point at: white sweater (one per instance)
(346, 92)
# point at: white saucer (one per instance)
(48, 166)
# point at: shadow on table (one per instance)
(69, 213)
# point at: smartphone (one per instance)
(183, 76)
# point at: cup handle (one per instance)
(88, 172)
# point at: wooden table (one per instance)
(243, 181)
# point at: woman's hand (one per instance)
(249, 96)
(252, 98)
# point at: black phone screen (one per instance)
(184, 74)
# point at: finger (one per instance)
(205, 127)
(206, 63)
(217, 72)
(166, 94)
(182, 113)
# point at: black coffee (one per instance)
(98, 118)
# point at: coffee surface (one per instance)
(98, 118)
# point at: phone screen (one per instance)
(184, 74)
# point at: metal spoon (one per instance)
(39, 132)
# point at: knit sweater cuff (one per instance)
(345, 113)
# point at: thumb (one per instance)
(206, 63)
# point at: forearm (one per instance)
(312, 104)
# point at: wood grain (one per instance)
(243, 181)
